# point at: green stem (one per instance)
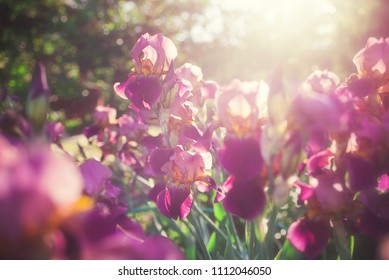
(341, 240)
(199, 235)
(209, 221)
(243, 253)
(250, 239)
(269, 239)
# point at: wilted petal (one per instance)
(309, 236)
(175, 202)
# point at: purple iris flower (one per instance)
(153, 58)
(182, 169)
(309, 236)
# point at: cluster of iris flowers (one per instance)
(197, 170)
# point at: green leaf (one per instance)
(229, 253)
(211, 246)
(342, 241)
(219, 211)
(190, 249)
(288, 252)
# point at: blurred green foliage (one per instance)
(85, 44)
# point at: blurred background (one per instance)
(85, 44)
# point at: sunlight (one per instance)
(281, 17)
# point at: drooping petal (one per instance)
(245, 199)
(144, 91)
(154, 192)
(175, 202)
(241, 157)
(120, 88)
(309, 236)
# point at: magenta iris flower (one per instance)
(309, 236)
(153, 58)
(242, 110)
(202, 90)
(241, 157)
(182, 169)
(245, 198)
(37, 191)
